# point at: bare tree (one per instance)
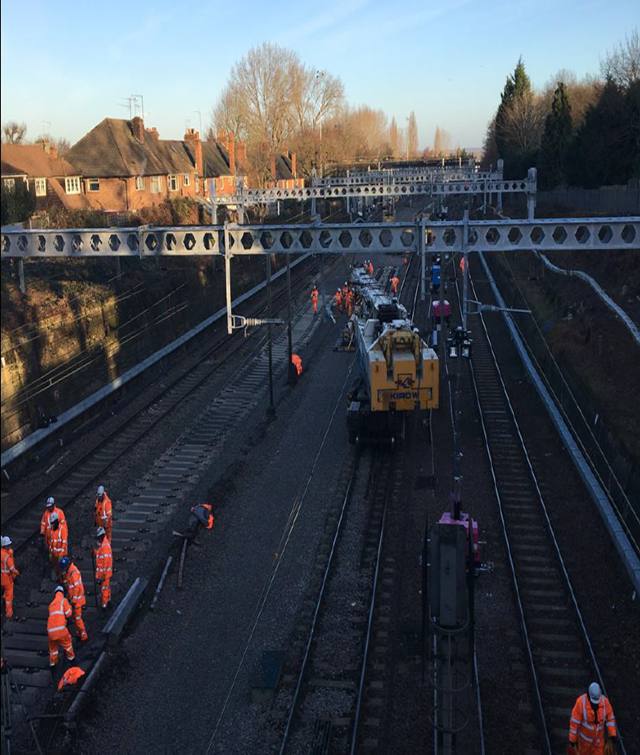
(228, 114)
(622, 64)
(14, 132)
(315, 95)
(62, 144)
(412, 134)
(524, 121)
(437, 141)
(394, 137)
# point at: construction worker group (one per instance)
(69, 596)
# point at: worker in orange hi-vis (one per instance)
(72, 580)
(350, 300)
(58, 541)
(45, 531)
(9, 574)
(104, 512)
(592, 726)
(59, 612)
(204, 512)
(370, 267)
(314, 299)
(70, 677)
(104, 566)
(297, 363)
(462, 265)
(338, 300)
(345, 291)
(395, 281)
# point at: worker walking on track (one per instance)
(394, 284)
(350, 299)
(104, 566)
(314, 299)
(9, 574)
(45, 531)
(72, 580)
(338, 300)
(592, 727)
(104, 512)
(345, 291)
(58, 541)
(59, 612)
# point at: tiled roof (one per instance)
(111, 150)
(34, 161)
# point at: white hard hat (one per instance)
(100, 531)
(59, 589)
(50, 501)
(595, 693)
(6, 541)
(54, 517)
(101, 490)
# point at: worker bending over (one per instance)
(9, 574)
(104, 566)
(72, 580)
(59, 612)
(592, 727)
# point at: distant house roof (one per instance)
(33, 160)
(215, 160)
(111, 150)
(283, 168)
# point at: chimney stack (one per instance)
(294, 164)
(232, 154)
(152, 132)
(223, 139)
(137, 126)
(53, 151)
(241, 152)
(192, 137)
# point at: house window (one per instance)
(9, 183)
(173, 183)
(186, 180)
(140, 183)
(72, 185)
(156, 184)
(93, 184)
(41, 187)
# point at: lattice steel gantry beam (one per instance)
(374, 190)
(568, 234)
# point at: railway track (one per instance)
(558, 650)
(68, 484)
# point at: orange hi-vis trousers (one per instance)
(7, 593)
(105, 591)
(63, 638)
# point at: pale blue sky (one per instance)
(70, 63)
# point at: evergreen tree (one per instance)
(517, 85)
(557, 135)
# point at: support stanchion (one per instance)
(271, 411)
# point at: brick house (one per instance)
(53, 180)
(127, 167)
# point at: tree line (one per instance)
(581, 132)
(275, 102)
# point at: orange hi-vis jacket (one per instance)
(9, 571)
(45, 522)
(314, 295)
(104, 512)
(587, 730)
(209, 508)
(59, 612)
(59, 541)
(104, 560)
(338, 297)
(70, 677)
(394, 283)
(75, 588)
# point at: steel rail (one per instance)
(316, 612)
(227, 346)
(567, 581)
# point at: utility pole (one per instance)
(199, 112)
(271, 411)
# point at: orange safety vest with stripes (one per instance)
(75, 588)
(45, 522)
(9, 571)
(314, 295)
(70, 677)
(587, 729)
(59, 540)
(59, 612)
(104, 560)
(104, 511)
